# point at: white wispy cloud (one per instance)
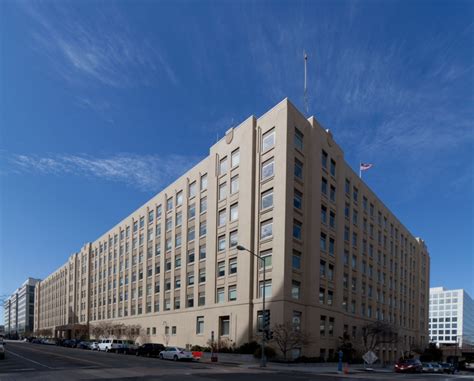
(146, 173)
(100, 48)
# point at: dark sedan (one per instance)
(149, 350)
(447, 367)
(409, 366)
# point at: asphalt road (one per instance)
(26, 361)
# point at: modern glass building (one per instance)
(451, 319)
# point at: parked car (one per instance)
(436, 367)
(176, 353)
(149, 350)
(94, 346)
(111, 345)
(2, 350)
(36, 341)
(84, 345)
(129, 347)
(427, 367)
(49, 342)
(448, 367)
(409, 366)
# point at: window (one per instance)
(324, 159)
(267, 169)
(222, 218)
(355, 194)
(331, 246)
(267, 199)
(201, 298)
(203, 204)
(295, 289)
(202, 252)
(322, 326)
(322, 242)
(224, 325)
(322, 295)
(298, 199)
(191, 279)
(235, 158)
(268, 288)
(192, 189)
(347, 187)
(179, 219)
(221, 243)
(159, 211)
(221, 268)
(234, 212)
(232, 293)
(324, 186)
(298, 169)
(151, 215)
(200, 325)
(177, 282)
(220, 295)
(177, 261)
(233, 266)
(191, 233)
(354, 217)
(168, 244)
(202, 275)
(223, 166)
(234, 184)
(179, 198)
(191, 256)
(204, 182)
(324, 212)
(267, 259)
(202, 229)
(330, 298)
(178, 240)
(233, 239)
(297, 229)
(296, 260)
(332, 193)
(191, 211)
(169, 224)
(322, 268)
(298, 139)
(266, 229)
(222, 191)
(331, 326)
(333, 168)
(268, 140)
(332, 219)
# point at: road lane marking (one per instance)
(27, 359)
(68, 357)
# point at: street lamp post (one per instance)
(242, 248)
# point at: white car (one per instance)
(110, 345)
(94, 346)
(176, 353)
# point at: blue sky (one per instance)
(103, 103)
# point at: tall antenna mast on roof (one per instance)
(305, 92)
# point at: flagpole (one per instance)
(360, 170)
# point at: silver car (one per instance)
(176, 353)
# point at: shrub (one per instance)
(197, 348)
(269, 353)
(248, 348)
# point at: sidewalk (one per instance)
(317, 368)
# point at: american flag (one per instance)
(365, 166)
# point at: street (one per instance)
(25, 361)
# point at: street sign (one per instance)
(370, 357)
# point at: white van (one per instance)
(111, 345)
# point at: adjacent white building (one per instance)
(19, 309)
(451, 317)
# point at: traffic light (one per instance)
(266, 320)
(268, 334)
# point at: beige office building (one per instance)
(336, 257)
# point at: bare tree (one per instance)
(131, 332)
(287, 337)
(378, 333)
